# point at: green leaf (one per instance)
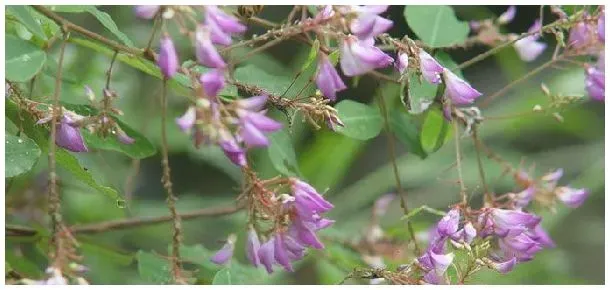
(434, 132)
(153, 268)
(139, 149)
(20, 155)
(313, 52)
(405, 128)
(281, 152)
(24, 15)
(436, 25)
(361, 121)
(101, 16)
(23, 60)
(40, 135)
(223, 277)
(328, 273)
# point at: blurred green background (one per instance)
(354, 173)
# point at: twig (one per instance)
(54, 198)
(489, 197)
(399, 188)
(458, 160)
(109, 72)
(503, 90)
(122, 224)
(171, 198)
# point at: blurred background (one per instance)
(353, 173)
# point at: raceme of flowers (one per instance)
(292, 220)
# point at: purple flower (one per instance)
(459, 91)
(469, 233)
(255, 103)
(68, 135)
(281, 254)
(221, 25)
(359, 57)
(328, 80)
(168, 59)
(430, 68)
(551, 179)
(572, 197)
(146, 11)
(508, 15)
(512, 222)
(539, 235)
(213, 82)
(529, 48)
(303, 233)
(402, 62)
(187, 121)
(231, 149)
(253, 125)
(504, 266)
(581, 35)
(369, 25)
(205, 51)
(123, 137)
(325, 13)
(224, 255)
(266, 254)
(523, 198)
(307, 200)
(435, 262)
(253, 245)
(595, 82)
(382, 204)
(448, 225)
(296, 251)
(520, 246)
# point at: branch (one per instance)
(62, 22)
(17, 230)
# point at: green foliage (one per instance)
(153, 268)
(405, 128)
(22, 59)
(361, 121)
(435, 131)
(281, 153)
(101, 16)
(20, 155)
(436, 25)
(24, 15)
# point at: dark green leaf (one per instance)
(313, 52)
(20, 155)
(141, 148)
(435, 131)
(281, 153)
(23, 60)
(436, 25)
(153, 268)
(405, 128)
(361, 121)
(24, 15)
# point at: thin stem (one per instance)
(109, 72)
(54, 197)
(489, 196)
(171, 198)
(503, 90)
(122, 224)
(401, 192)
(458, 160)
